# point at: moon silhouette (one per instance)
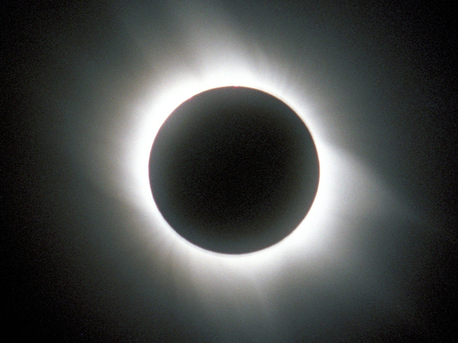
(233, 170)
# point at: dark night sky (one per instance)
(82, 260)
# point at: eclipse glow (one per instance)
(348, 192)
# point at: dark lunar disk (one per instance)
(233, 170)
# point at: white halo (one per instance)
(347, 193)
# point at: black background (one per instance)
(388, 69)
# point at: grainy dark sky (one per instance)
(77, 265)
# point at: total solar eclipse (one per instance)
(233, 170)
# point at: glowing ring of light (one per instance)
(319, 231)
(348, 192)
(324, 232)
(179, 92)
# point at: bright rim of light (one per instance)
(347, 193)
(336, 170)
